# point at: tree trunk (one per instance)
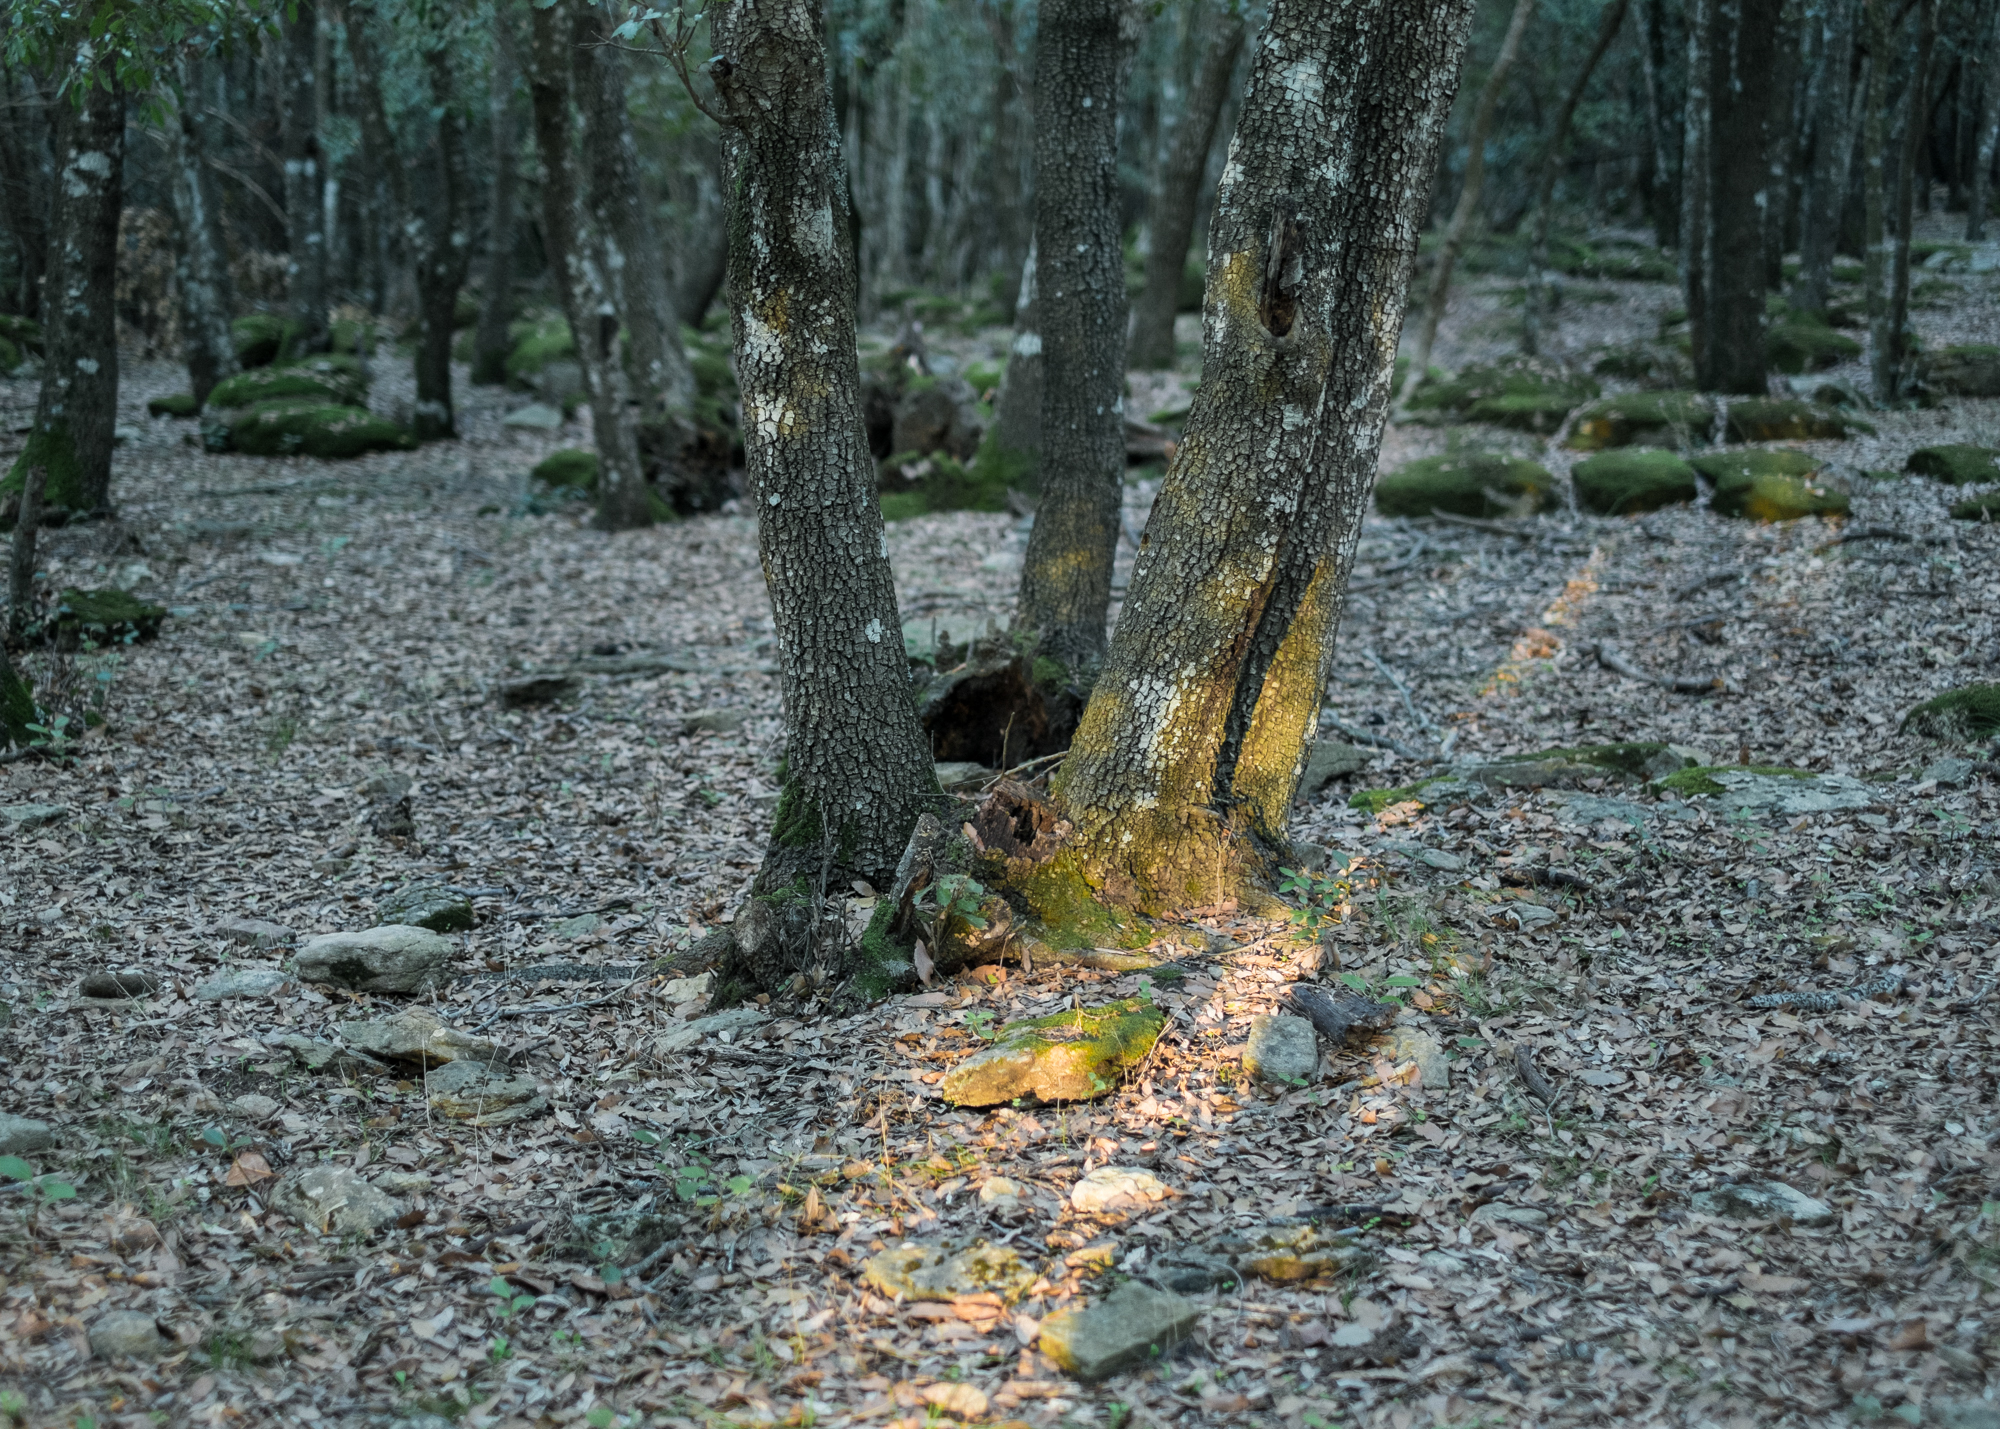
(1193, 739)
(1781, 129)
(490, 342)
(1536, 295)
(1219, 38)
(1874, 179)
(857, 767)
(1014, 441)
(305, 182)
(1664, 202)
(1080, 282)
(1987, 130)
(24, 183)
(1832, 155)
(208, 296)
(1467, 212)
(1910, 175)
(1012, 234)
(76, 413)
(442, 247)
(1725, 174)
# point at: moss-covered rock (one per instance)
(351, 335)
(178, 404)
(1648, 364)
(105, 617)
(272, 384)
(537, 343)
(315, 429)
(261, 339)
(1684, 418)
(1784, 419)
(1801, 344)
(915, 485)
(571, 467)
(1978, 508)
(1520, 395)
(1069, 1056)
(1969, 712)
(1971, 370)
(1771, 485)
(1628, 481)
(1700, 779)
(1959, 464)
(1476, 484)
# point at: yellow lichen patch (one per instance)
(1267, 768)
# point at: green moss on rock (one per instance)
(939, 482)
(1626, 482)
(1978, 508)
(1970, 370)
(51, 448)
(315, 429)
(178, 404)
(571, 467)
(1784, 419)
(1479, 484)
(1374, 801)
(271, 384)
(261, 339)
(105, 617)
(1519, 395)
(1969, 712)
(1700, 779)
(1957, 463)
(1803, 344)
(1075, 1055)
(1771, 485)
(1685, 418)
(537, 343)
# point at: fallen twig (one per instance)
(558, 1007)
(1496, 527)
(1531, 1076)
(1402, 689)
(1609, 657)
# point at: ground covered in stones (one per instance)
(1595, 1166)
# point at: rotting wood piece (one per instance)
(1336, 1016)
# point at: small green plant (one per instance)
(980, 1022)
(13, 1405)
(222, 1141)
(1319, 895)
(498, 1350)
(512, 1301)
(956, 895)
(43, 1191)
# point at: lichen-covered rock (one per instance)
(1133, 1325)
(1784, 419)
(1762, 1201)
(1067, 1056)
(482, 1094)
(1803, 344)
(20, 1135)
(261, 339)
(1414, 1042)
(936, 1272)
(332, 387)
(127, 1335)
(1956, 463)
(1768, 485)
(1971, 370)
(105, 617)
(175, 404)
(1969, 712)
(426, 906)
(1328, 760)
(571, 468)
(396, 958)
(417, 1035)
(315, 429)
(1281, 1049)
(1682, 418)
(334, 1201)
(1627, 482)
(1111, 1189)
(1520, 394)
(1476, 484)
(1772, 789)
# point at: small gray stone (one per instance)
(1281, 1049)
(335, 1201)
(1130, 1326)
(1437, 858)
(736, 1019)
(426, 906)
(127, 1335)
(417, 1035)
(535, 417)
(1330, 760)
(254, 933)
(1950, 771)
(387, 787)
(396, 958)
(20, 1135)
(714, 721)
(242, 982)
(576, 927)
(32, 816)
(252, 1107)
(125, 983)
(482, 1094)
(1762, 1201)
(403, 1183)
(1413, 1042)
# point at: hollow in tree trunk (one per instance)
(208, 296)
(305, 181)
(490, 342)
(857, 770)
(1080, 286)
(1219, 37)
(77, 409)
(576, 261)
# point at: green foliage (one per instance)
(1701, 778)
(43, 1190)
(1626, 482)
(537, 343)
(1978, 508)
(1374, 801)
(1319, 895)
(571, 467)
(1474, 484)
(178, 404)
(919, 484)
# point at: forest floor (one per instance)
(1524, 1263)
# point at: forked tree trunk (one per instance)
(442, 246)
(490, 343)
(1536, 293)
(305, 182)
(1726, 186)
(76, 412)
(201, 267)
(857, 767)
(1219, 38)
(1194, 736)
(1832, 157)
(1080, 281)
(576, 261)
(1467, 212)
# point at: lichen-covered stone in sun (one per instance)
(1068, 1056)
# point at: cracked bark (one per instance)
(208, 296)
(1832, 156)
(1191, 746)
(1080, 289)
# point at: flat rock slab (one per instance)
(938, 1272)
(1762, 1201)
(1595, 808)
(417, 1035)
(127, 1335)
(254, 933)
(252, 1107)
(1133, 1325)
(714, 721)
(397, 958)
(725, 1025)
(334, 1201)
(1068, 1056)
(316, 1056)
(437, 909)
(1111, 1189)
(535, 417)
(482, 1094)
(243, 982)
(1413, 1042)
(32, 816)
(1282, 1049)
(20, 1135)
(1785, 794)
(1329, 760)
